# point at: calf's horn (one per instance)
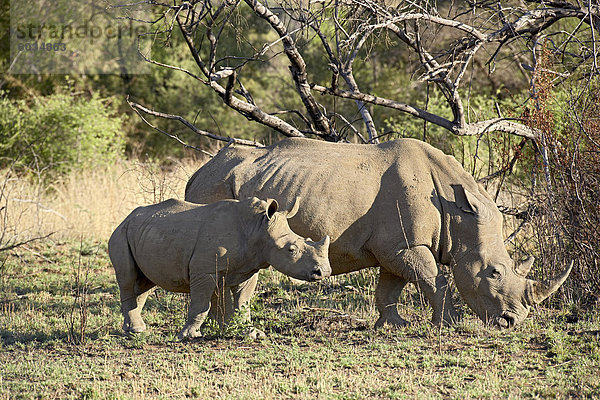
(542, 290)
(325, 241)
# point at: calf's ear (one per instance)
(290, 213)
(271, 208)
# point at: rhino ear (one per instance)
(472, 204)
(271, 208)
(290, 213)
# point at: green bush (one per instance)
(477, 154)
(60, 132)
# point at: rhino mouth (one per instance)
(316, 275)
(504, 321)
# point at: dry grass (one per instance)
(88, 204)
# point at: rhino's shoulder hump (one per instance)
(172, 203)
(235, 152)
(294, 142)
(424, 152)
(411, 145)
(248, 207)
(179, 205)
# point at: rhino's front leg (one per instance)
(387, 293)
(418, 265)
(242, 294)
(202, 287)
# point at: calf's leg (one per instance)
(242, 294)
(134, 287)
(227, 300)
(387, 293)
(202, 287)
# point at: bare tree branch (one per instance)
(473, 129)
(367, 98)
(188, 124)
(443, 43)
(250, 111)
(506, 125)
(298, 70)
(16, 244)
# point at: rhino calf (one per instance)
(189, 248)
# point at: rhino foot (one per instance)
(255, 334)
(189, 333)
(137, 328)
(395, 322)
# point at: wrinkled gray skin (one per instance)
(185, 247)
(401, 205)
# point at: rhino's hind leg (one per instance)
(134, 287)
(418, 265)
(142, 289)
(202, 287)
(387, 293)
(133, 298)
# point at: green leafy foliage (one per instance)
(60, 132)
(480, 155)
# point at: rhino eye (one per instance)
(293, 249)
(496, 274)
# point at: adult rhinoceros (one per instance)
(402, 205)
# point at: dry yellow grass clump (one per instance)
(86, 204)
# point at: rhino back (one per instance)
(367, 198)
(169, 238)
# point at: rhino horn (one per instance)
(524, 267)
(542, 290)
(324, 242)
(290, 213)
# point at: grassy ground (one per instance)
(60, 337)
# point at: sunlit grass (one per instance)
(320, 342)
(88, 204)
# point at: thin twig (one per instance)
(138, 107)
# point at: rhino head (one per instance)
(491, 283)
(289, 253)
